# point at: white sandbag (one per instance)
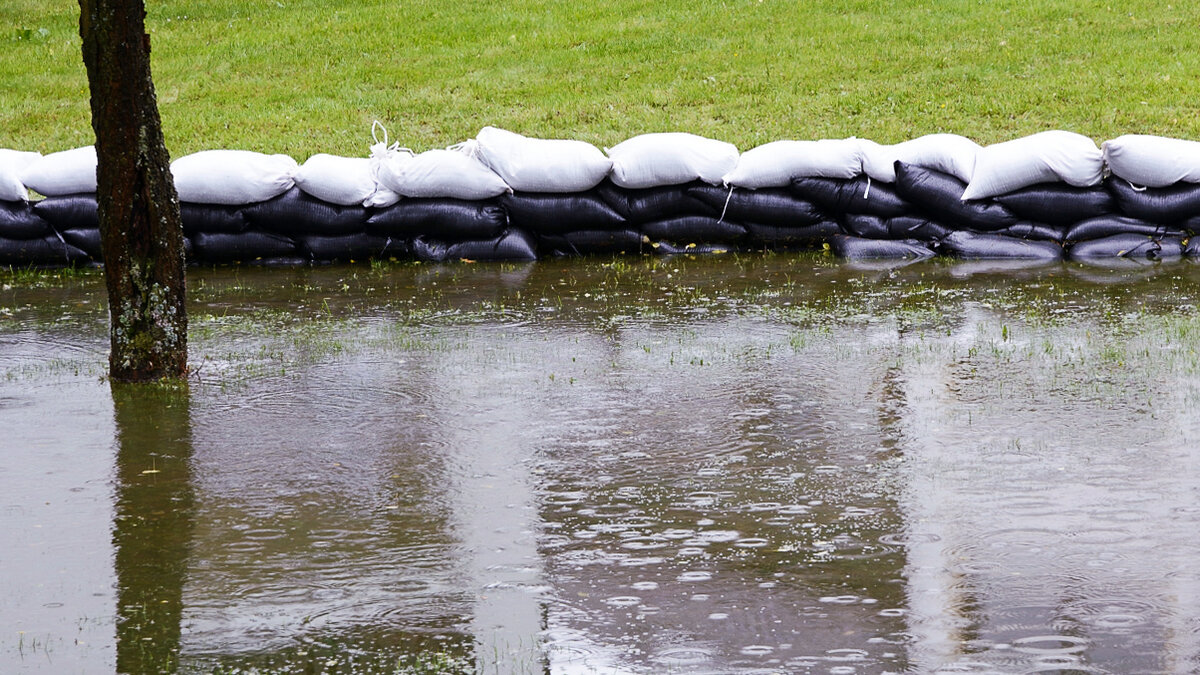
(439, 173)
(12, 164)
(673, 158)
(1050, 156)
(1153, 161)
(232, 176)
(947, 153)
(540, 165)
(338, 180)
(775, 164)
(62, 173)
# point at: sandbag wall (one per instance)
(502, 196)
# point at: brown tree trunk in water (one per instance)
(141, 232)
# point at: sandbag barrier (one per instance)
(502, 196)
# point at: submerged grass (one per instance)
(306, 76)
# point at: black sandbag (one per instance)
(1191, 247)
(978, 246)
(589, 242)
(659, 203)
(247, 247)
(1118, 246)
(18, 221)
(1107, 226)
(43, 251)
(1058, 203)
(212, 218)
(807, 236)
(861, 248)
(1165, 205)
(668, 248)
(557, 213)
(350, 247)
(514, 244)
(440, 219)
(86, 240)
(899, 227)
(939, 196)
(70, 211)
(1032, 230)
(779, 206)
(837, 196)
(297, 212)
(695, 230)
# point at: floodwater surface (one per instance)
(715, 465)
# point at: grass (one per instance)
(307, 76)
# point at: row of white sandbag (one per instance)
(498, 161)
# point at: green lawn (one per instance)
(307, 76)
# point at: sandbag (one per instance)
(349, 247)
(12, 164)
(1191, 247)
(1049, 156)
(775, 164)
(245, 247)
(445, 219)
(48, 250)
(590, 242)
(540, 165)
(780, 238)
(937, 195)
(768, 206)
(857, 195)
(948, 153)
(652, 160)
(515, 244)
(899, 227)
(62, 173)
(19, 221)
(1058, 204)
(345, 181)
(232, 176)
(86, 240)
(1128, 246)
(212, 218)
(669, 248)
(1158, 205)
(295, 212)
(439, 174)
(1106, 226)
(694, 229)
(70, 211)
(859, 248)
(643, 206)
(1028, 229)
(1153, 161)
(993, 246)
(554, 213)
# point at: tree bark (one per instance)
(141, 232)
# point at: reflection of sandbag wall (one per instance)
(502, 196)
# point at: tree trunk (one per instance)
(141, 232)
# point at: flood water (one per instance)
(715, 465)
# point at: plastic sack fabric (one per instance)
(513, 245)
(899, 227)
(1049, 156)
(669, 248)
(643, 206)
(86, 240)
(446, 219)
(652, 160)
(998, 247)
(1128, 246)
(439, 174)
(19, 221)
(62, 173)
(591, 242)
(1158, 205)
(1032, 230)
(245, 247)
(857, 195)
(553, 213)
(12, 164)
(349, 247)
(1106, 226)
(1153, 161)
(49, 250)
(937, 195)
(212, 218)
(860, 248)
(295, 212)
(69, 211)
(541, 165)
(232, 176)
(776, 164)
(768, 206)
(1058, 204)
(948, 153)
(1191, 248)
(798, 237)
(345, 181)
(694, 230)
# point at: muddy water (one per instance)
(759, 464)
